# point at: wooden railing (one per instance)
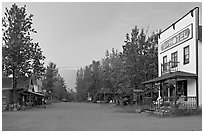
(169, 67)
(187, 102)
(182, 102)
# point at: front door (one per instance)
(182, 88)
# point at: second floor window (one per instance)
(164, 63)
(186, 55)
(174, 59)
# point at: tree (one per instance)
(21, 57)
(140, 54)
(95, 79)
(54, 83)
(121, 71)
(50, 78)
(59, 90)
(112, 70)
(88, 80)
(81, 85)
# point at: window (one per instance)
(164, 63)
(174, 59)
(186, 55)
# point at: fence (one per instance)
(183, 102)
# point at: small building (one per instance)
(7, 90)
(105, 94)
(26, 91)
(180, 62)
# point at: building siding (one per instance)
(194, 66)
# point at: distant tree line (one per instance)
(124, 70)
(55, 85)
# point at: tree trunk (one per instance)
(14, 86)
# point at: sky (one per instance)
(73, 34)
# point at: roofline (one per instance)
(4, 89)
(157, 79)
(179, 19)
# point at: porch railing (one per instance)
(187, 102)
(169, 67)
(182, 102)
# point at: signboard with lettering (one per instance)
(183, 35)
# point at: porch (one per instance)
(173, 92)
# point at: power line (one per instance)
(70, 67)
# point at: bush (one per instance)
(187, 112)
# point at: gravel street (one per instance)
(93, 117)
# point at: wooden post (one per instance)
(159, 86)
(13, 86)
(169, 93)
(162, 89)
(159, 95)
(175, 95)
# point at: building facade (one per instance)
(180, 61)
(26, 91)
(180, 49)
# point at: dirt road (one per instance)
(92, 117)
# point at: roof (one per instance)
(11, 89)
(173, 75)
(37, 93)
(7, 83)
(180, 19)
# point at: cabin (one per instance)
(28, 91)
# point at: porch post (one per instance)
(168, 93)
(159, 90)
(197, 95)
(175, 93)
(162, 87)
(159, 94)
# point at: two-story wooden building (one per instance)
(26, 91)
(180, 62)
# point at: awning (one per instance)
(173, 75)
